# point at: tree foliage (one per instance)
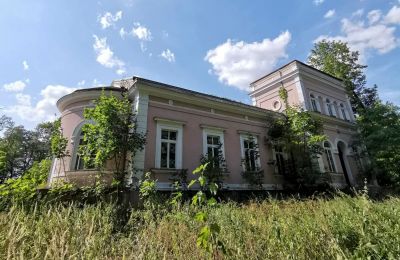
(301, 136)
(379, 129)
(24, 188)
(336, 59)
(20, 148)
(112, 135)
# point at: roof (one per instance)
(200, 94)
(302, 63)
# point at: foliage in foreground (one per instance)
(340, 228)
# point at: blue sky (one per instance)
(49, 48)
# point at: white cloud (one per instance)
(105, 56)
(318, 2)
(16, 86)
(393, 16)
(374, 36)
(44, 110)
(358, 13)
(374, 16)
(330, 13)
(109, 19)
(239, 63)
(141, 32)
(23, 99)
(96, 83)
(168, 55)
(25, 65)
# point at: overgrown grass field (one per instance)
(340, 228)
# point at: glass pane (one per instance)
(164, 155)
(172, 135)
(246, 144)
(215, 151)
(209, 151)
(252, 161)
(209, 139)
(172, 155)
(216, 140)
(164, 134)
(251, 144)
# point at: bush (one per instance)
(24, 188)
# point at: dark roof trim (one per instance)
(98, 88)
(302, 63)
(192, 92)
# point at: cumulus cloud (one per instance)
(141, 32)
(330, 13)
(393, 16)
(239, 63)
(168, 55)
(25, 65)
(16, 86)
(367, 36)
(108, 19)
(318, 2)
(44, 110)
(106, 57)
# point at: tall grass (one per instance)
(339, 228)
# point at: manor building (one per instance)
(182, 125)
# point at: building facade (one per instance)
(183, 125)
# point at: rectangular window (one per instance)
(213, 142)
(314, 105)
(279, 159)
(169, 146)
(250, 153)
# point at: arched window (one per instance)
(77, 158)
(330, 108)
(329, 156)
(314, 103)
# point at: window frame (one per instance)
(246, 137)
(314, 99)
(274, 154)
(330, 160)
(75, 141)
(178, 152)
(330, 108)
(213, 132)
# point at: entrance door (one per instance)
(341, 150)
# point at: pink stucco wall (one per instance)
(193, 140)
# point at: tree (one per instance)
(20, 148)
(336, 59)
(112, 135)
(301, 136)
(379, 129)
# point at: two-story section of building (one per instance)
(324, 96)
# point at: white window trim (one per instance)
(333, 157)
(215, 132)
(179, 139)
(244, 137)
(274, 153)
(317, 104)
